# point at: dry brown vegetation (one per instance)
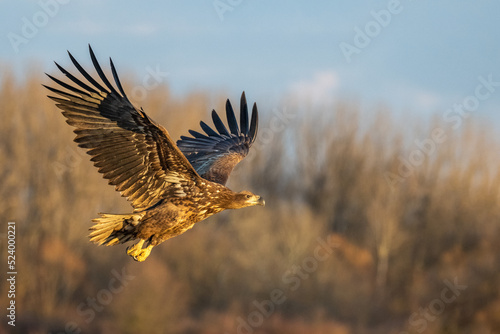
(337, 249)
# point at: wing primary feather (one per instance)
(231, 119)
(70, 98)
(68, 87)
(196, 134)
(86, 75)
(117, 79)
(254, 124)
(75, 80)
(208, 130)
(60, 92)
(219, 124)
(100, 71)
(244, 114)
(199, 141)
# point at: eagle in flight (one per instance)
(170, 186)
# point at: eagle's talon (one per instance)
(143, 254)
(137, 252)
(135, 249)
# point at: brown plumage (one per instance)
(140, 159)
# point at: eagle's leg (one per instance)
(137, 252)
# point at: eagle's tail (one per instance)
(113, 229)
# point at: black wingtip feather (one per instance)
(208, 130)
(60, 92)
(254, 125)
(117, 79)
(86, 75)
(231, 119)
(196, 134)
(244, 114)
(65, 85)
(219, 124)
(100, 71)
(75, 80)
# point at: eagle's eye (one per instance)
(248, 196)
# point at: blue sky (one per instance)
(425, 58)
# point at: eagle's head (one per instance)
(246, 198)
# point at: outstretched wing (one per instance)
(134, 153)
(215, 153)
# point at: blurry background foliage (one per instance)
(323, 175)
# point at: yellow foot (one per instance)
(134, 250)
(143, 254)
(137, 252)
